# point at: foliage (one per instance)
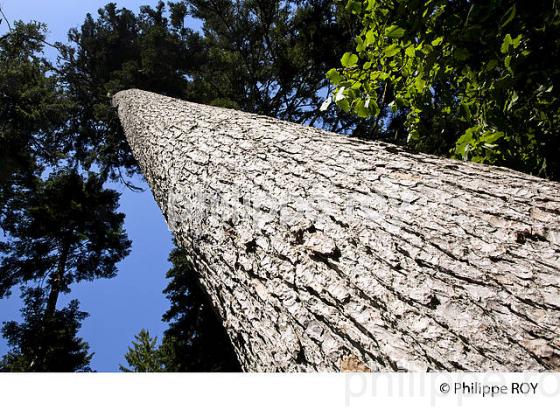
(62, 230)
(59, 224)
(270, 57)
(31, 108)
(65, 229)
(41, 344)
(475, 79)
(31, 103)
(145, 355)
(195, 340)
(117, 51)
(33, 211)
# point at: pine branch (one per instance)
(7, 21)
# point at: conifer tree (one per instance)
(195, 339)
(62, 231)
(32, 109)
(45, 345)
(144, 355)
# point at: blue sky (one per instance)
(118, 307)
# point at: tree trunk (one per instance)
(56, 282)
(323, 252)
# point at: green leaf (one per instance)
(361, 45)
(420, 83)
(437, 41)
(466, 111)
(516, 41)
(465, 143)
(361, 109)
(508, 17)
(334, 76)
(410, 51)
(506, 43)
(370, 38)
(461, 54)
(394, 31)
(344, 104)
(383, 76)
(374, 108)
(349, 59)
(491, 65)
(507, 63)
(356, 85)
(491, 137)
(391, 50)
(413, 135)
(354, 6)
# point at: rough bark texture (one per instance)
(322, 252)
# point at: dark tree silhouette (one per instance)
(62, 231)
(45, 344)
(196, 340)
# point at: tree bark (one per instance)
(323, 252)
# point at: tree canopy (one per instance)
(476, 80)
(59, 223)
(63, 230)
(44, 344)
(144, 355)
(116, 51)
(196, 339)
